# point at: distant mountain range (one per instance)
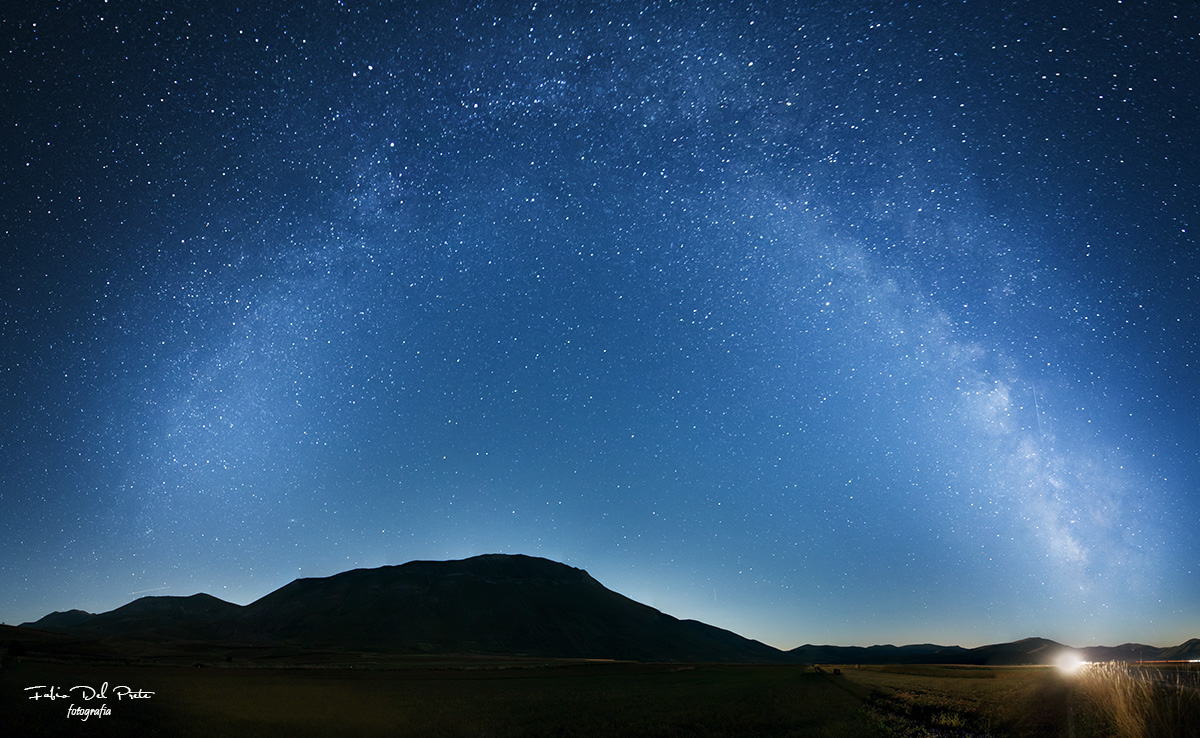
(1024, 651)
(504, 605)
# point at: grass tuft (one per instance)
(1131, 701)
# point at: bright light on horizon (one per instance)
(1069, 662)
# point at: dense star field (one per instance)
(821, 324)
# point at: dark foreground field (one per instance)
(523, 698)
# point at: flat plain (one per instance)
(443, 699)
(472, 696)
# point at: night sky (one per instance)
(819, 323)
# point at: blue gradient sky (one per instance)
(821, 325)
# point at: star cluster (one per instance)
(821, 324)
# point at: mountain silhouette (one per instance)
(503, 604)
(494, 603)
(199, 617)
(1189, 650)
(1024, 651)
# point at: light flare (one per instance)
(1070, 662)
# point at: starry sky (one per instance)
(821, 322)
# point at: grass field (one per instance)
(580, 699)
(1098, 701)
(481, 697)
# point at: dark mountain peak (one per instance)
(497, 603)
(68, 620)
(1025, 645)
(1024, 651)
(196, 616)
(199, 604)
(501, 567)
(487, 567)
(1188, 650)
(418, 578)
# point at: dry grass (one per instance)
(963, 701)
(1098, 701)
(1129, 701)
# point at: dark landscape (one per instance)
(517, 645)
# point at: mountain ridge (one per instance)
(506, 604)
(495, 603)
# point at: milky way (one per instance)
(819, 324)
